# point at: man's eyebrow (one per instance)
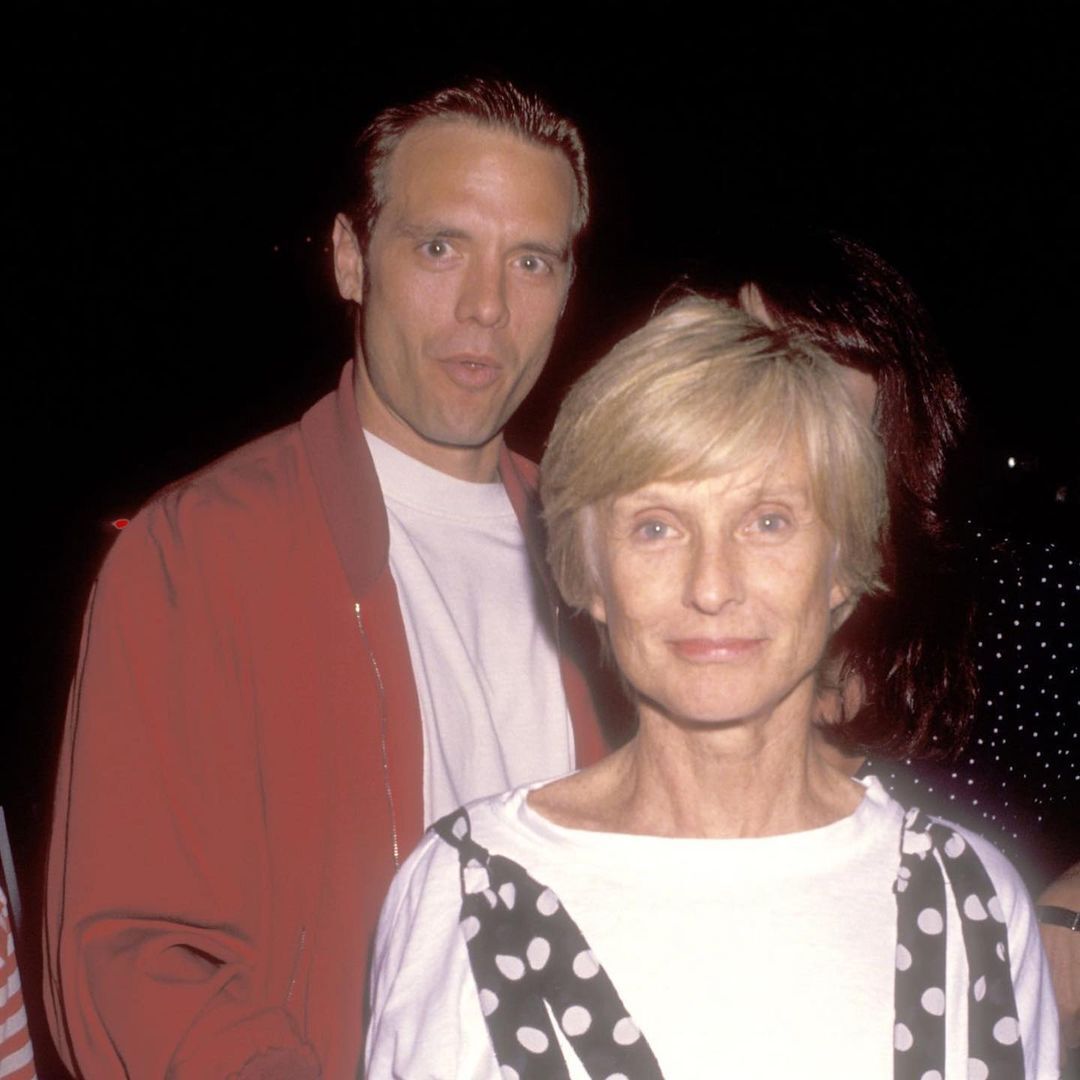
(429, 230)
(541, 248)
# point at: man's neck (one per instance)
(476, 464)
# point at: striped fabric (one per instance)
(16, 1053)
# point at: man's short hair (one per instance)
(701, 389)
(489, 103)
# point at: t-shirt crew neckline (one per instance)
(839, 840)
(414, 484)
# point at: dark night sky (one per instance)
(175, 176)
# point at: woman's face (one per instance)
(719, 594)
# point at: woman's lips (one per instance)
(471, 372)
(712, 650)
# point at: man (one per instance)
(297, 658)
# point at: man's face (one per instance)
(467, 272)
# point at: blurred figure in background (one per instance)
(1004, 602)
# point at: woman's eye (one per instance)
(771, 524)
(654, 530)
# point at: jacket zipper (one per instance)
(296, 964)
(383, 751)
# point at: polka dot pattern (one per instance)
(537, 953)
(933, 1001)
(1018, 781)
(585, 965)
(576, 1020)
(547, 903)
(903, 958)
(1007, 1030)
(530, 963)
(918, 1035)
(930, 921)
(994, 1048)
(973, 908)
(532, 1039)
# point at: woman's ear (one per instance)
(597, 608)
(841, 604)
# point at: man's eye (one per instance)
(533, 264)
(436, 249)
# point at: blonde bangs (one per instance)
(700, 390)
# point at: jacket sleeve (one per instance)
(157, 916)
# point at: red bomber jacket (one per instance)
(242, 763)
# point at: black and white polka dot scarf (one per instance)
(529, 957)
(531, 963)
(930, 854)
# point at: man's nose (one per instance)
(483, 295)
(714, 575)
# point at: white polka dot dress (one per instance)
(1018, 780)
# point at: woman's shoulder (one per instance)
(425, 894)
(437, 855)
(1006, 880)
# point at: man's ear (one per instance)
(348, 261)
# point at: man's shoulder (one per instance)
(251, 498)
(265, 469)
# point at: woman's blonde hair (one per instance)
(701, 389)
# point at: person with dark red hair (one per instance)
(973, 631)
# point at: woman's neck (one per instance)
(684, 783)
(733, 780)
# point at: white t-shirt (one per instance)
(492, 703)
(771, 957)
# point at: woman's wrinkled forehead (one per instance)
(774, 472)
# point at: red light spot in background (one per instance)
(121, 523)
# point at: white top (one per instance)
(492, 703)
(770, 957)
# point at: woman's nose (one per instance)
(714, 577)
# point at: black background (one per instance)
(172, 173)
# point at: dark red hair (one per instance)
(909, 645)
